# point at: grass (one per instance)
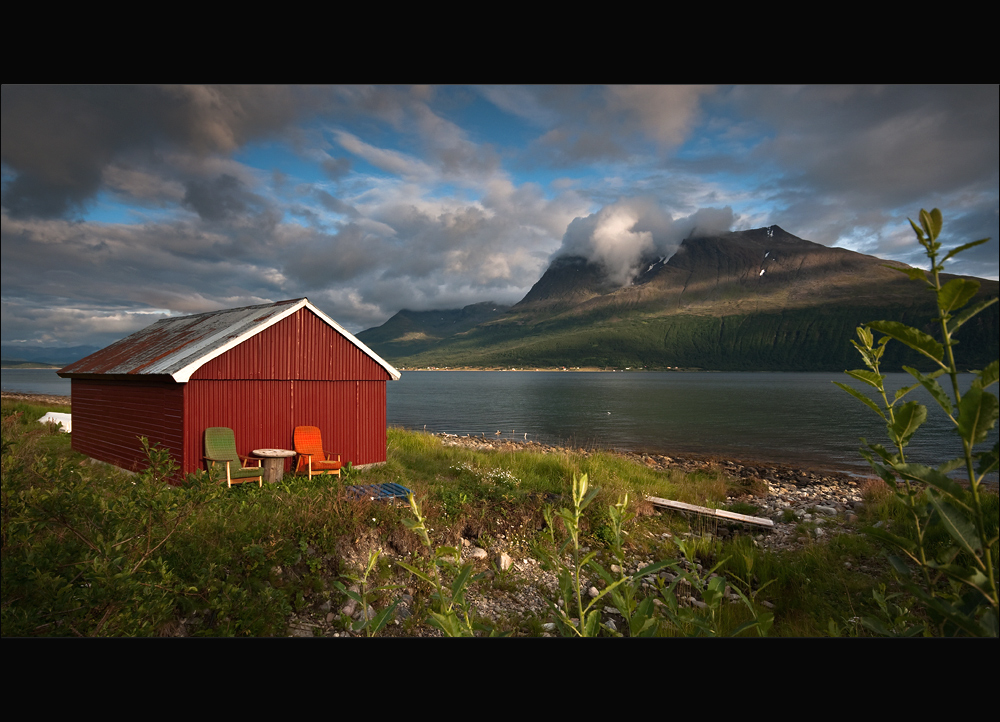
(239, 562)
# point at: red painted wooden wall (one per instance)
(298, 372)
(110, 415)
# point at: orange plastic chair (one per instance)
(312, 458)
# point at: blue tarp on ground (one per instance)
(380, 491)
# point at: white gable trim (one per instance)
(185, 374)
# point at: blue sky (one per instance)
(124, 204)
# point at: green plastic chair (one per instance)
(220, 448)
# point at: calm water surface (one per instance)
(791, 417)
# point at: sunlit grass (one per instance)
(246, 557)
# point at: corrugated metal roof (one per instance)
(179, 346)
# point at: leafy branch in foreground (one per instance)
(959, 584)
(451, 609)
(360, 592)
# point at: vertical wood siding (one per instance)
(300, 347)
(109, 416)
(299, 372)
(264, 414)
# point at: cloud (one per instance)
(368, 199)
(336, 168)
(58, 141)
(391, 161)
(623, 235)
(219, 199)
(608, 124)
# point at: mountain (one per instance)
(413, 332)
(760, 299)
(58, 356)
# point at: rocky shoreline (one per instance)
(36, 398)
(804, 505)
(779, 490)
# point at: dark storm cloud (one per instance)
(59, 140)
(175, 266)
(221, 198)
(894, 141)
(849, 159)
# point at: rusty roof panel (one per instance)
(178, 346)
(170, 344)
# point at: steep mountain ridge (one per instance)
(751, 300)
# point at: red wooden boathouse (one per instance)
(260, 370)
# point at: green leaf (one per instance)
(931, 222)
(903, 543)
(383, 617)
(929, 382)
(447, 623)
(970, 577)
(744, 627)
(949, 466)
(977, 414)
(988, 376)
(988, 460)
(935, 478)
(965, 247)
(903, 391)
(957, 524)
(353, 595)
(956, 293)
(417, 572)
(914, 338)
(882, 452)
(899, 565)
(873, 624)
(915, 274)
(862, 398)
(968, 313)
(908, 419)
(869, 377)
(651, 569)
(460, 580)
(449, 554)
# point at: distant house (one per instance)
(260, 370)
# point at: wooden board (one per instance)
(704, 510)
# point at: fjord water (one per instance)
(798, 418)
(34, 381)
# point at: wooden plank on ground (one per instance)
(704, 510)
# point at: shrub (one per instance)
(957, 588)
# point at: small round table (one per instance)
(273, 463)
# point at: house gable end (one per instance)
(300, 346)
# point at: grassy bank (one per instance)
(89, 550)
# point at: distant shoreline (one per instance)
(37, 398)
(568, 369)
(30, 366)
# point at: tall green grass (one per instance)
(238, 562)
